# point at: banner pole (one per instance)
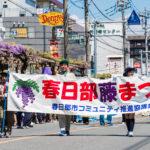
(4, 114)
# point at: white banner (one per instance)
(80, 96)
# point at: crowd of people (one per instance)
(25, 120)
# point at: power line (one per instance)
(104, 42)
(21, 6)
(92, 14)
(114, 39)
(108, 49)
(76, 5)
(38, 22)
(101, 11)
(133, 5)
(111, 11)
(83, 7)
(132, 30)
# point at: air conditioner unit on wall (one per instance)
(22, 12)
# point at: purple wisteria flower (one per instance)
(14, 49)
(1, 52)
(24, 90)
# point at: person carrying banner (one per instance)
(9, 115)
(64, 120)
(102, 120)
(129, 118)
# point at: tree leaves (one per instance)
(29, 83)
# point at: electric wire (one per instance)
(101, 11)
(105, 43)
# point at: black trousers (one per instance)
(85, 120)
(19, 118)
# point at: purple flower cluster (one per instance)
(1, 52)
(14, 49)
(26, 93)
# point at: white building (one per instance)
(109, 48)
(2, 30)
(16, 8)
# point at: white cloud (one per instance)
(81, 22)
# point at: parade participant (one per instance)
(102, 120)
(64, 120)
(85, 120)
(9, 115)
(129, 118)
(102, 117)
(19, 120)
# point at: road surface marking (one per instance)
(75, 130)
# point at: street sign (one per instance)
(45, 10)
(134, 19)
(60, 33)
(40, 11)
(137, 65)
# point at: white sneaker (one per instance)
(32, 123)
(130, 134)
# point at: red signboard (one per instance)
(54, 49)
(137, 65)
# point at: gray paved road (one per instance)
(83, 137)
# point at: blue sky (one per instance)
(103, 5)
(75, 8)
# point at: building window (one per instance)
(82, 41)
(5, 6)
(22, 15)
(74, 37)
(31, 33)
(139, 44)
(31, 3)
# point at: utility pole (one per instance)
(121, 4)
(146, 15)
(87, 35)
(141, 53)
(44, 39)
(95, 50)
(124, 32)
(66, 47)
(146, 42)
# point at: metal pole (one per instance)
(44, 39)
(95, 51)
(124, 33)
(6, 91)
(141, 61)
(87, 46)
(87, 35)
(146, 42)
(66, 48)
